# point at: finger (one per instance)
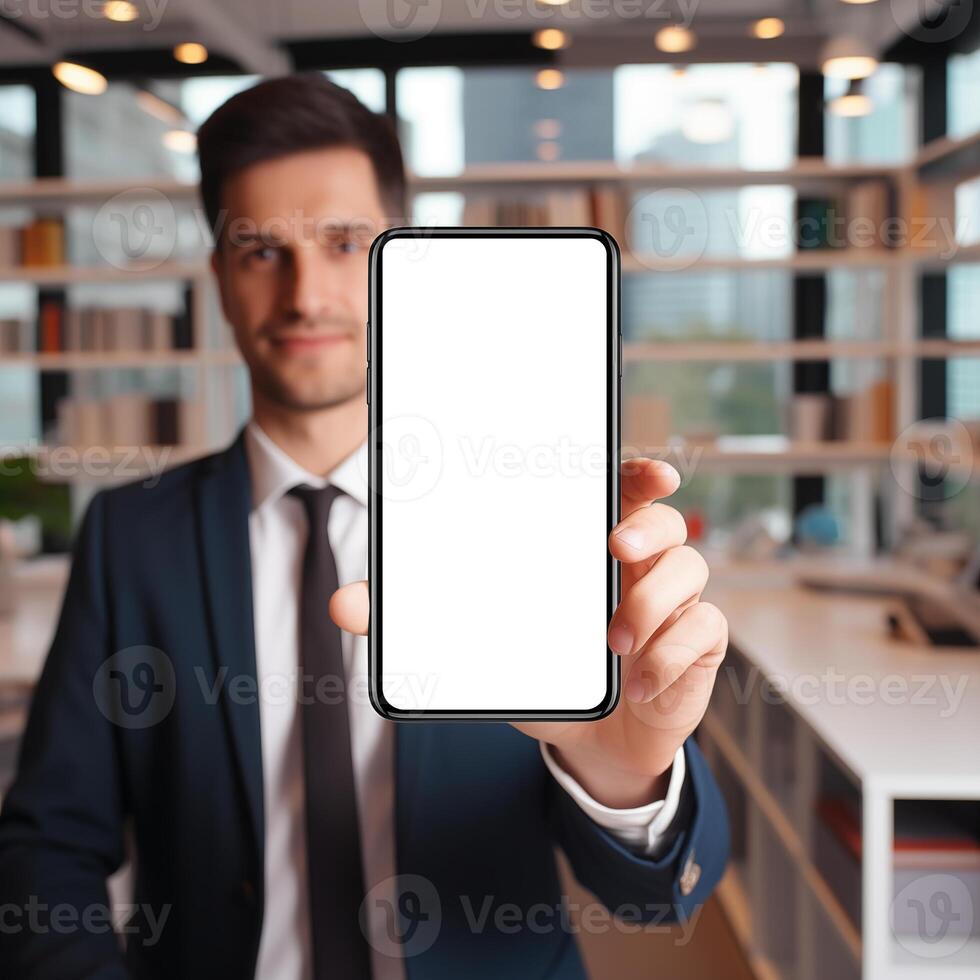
(349, 607)
(678, 574)
(646, 532)
(698, 638)
(643, 480)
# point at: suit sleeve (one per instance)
(61, 824)
(669, 887)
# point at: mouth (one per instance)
(301, 343)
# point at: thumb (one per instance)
(349, 607)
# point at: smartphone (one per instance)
(493, 383)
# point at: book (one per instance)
(42, 242)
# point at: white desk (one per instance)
(900, 721)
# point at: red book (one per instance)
(50, 326)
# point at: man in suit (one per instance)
(201, 713)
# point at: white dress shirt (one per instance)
(277, 538)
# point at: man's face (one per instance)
(293, 273)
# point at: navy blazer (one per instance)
(161, 576)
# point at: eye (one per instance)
(347, 246)
(262, 255)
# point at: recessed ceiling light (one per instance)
(121, 11)
(768, 27)
(180, 141)
(859, 1)
(548, 150)
(550, 78)
(847, 57)
(674, 39)
(79, 78)
(550, 38)
(191, 53)
(852, 103)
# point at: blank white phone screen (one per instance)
(493, 473)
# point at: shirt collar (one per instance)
(274, 472)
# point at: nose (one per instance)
(308, 290)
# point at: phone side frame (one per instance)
(614, 370)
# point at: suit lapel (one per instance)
(224, 496)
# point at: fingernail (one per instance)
(621, 638)
(631, 536)
(636, 689)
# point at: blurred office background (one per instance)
(795, 187)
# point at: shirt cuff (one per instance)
(641, 828)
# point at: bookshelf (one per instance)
(782, 744)
(901, 347)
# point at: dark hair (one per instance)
(291, 114)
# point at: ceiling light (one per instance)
(550, 38)
(847, 57)
(121, 11)
(859, 1)
(852, 103)
(159, 108)
(550, 78)
(180, 141)
(708, 121)
(767, 28)
(191, 53)
(554, 3)
(674, 39)
(79, 78)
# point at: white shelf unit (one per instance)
(58, 194)
(776, 754)
(902, 347)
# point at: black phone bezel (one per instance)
(613, 413)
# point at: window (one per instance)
(962, 85)
(17, 121)
(730, 115)
(888, 133)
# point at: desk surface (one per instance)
(903, 717)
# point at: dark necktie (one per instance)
(336, 882)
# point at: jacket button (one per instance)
(248, 892)
(690, 876)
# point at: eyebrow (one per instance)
(332, 230)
